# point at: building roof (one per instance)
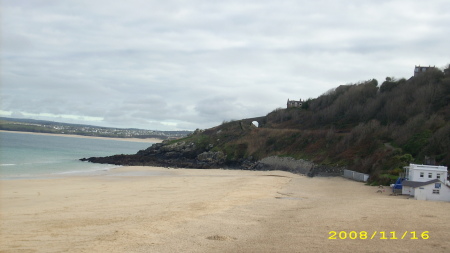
(427, 167)
(415, 184)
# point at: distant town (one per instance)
(41, 126)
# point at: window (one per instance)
(435, 191)
(430, 175)
(421, 174)
(438, 176)
(437, 185)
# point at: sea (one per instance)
(25, 156)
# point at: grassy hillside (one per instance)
(371, 128)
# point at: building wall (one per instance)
(427, 192)
(421, 69)
(407, 190)
(426, 175)
(415, 171)
(293, 103)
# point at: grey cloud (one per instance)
(176, 64)
(222, 108)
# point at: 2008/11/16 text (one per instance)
(383, 235)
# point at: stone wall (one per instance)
(285, 164)
(297, 166)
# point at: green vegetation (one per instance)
(370, 128)
(13, 126)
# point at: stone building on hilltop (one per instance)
(294, 103)
(421, 69)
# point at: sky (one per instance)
(183, 65)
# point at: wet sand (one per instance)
(150, 209)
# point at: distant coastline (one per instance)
(51, 127)
(150, 140)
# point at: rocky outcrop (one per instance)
(179, 154)
(187, 155)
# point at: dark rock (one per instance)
(179, 154)
(186, 155)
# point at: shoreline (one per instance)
(150, 140)
(155, 209)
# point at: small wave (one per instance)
(26, 163)
(17, 176)
(72, 172)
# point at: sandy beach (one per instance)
(152, 140)
(150, 209)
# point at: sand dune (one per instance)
(149, 209)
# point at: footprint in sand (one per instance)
(220, 238)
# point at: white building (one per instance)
(424, 173)
(426, 182)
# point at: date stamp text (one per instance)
(382, 235)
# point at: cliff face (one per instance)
(363, 127)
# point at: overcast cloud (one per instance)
(172, 65)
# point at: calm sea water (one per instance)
(33, 156)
